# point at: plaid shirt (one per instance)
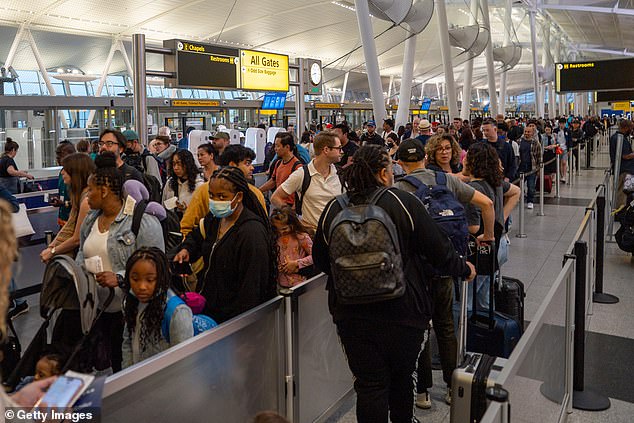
(536, 151)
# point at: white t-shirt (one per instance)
(320, 191)
(96, 244)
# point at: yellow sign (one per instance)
(327, 106)
(195, 103)
(419, 112)
(264, 71)
(268, 112)
(578, 65)
(445, 108)
(621, 105)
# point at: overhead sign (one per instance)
(613, 95)
(263, 71)
(621, 105)
(327, 106)
(600, 75)
(426, 104)
(197, 65)
(195, 103)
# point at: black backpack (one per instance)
(625, 235)
(171, 225)
(162, 165)
(445, 209)
(364, 250)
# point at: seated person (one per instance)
(238, 248)
(148, 278)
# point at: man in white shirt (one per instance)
(388, 128)
(324, 184)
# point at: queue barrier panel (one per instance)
(227, 375)
(322, 373)
(538, 374)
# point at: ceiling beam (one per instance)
(589, 9)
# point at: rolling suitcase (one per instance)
(509, 299)
(548, 184)
(490, 332)
(475, 373)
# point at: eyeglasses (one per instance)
(444, 148)
(107, 143)
(336, 148)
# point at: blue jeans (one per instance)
(13, 288)
(530, 187)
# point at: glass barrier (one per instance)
(538, 373)
(322, 373)
(227, 375)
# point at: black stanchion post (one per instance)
(583, 399)
(588, 145)
(599, 296)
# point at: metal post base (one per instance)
(603, 298)
(540, 214)
(590, 401)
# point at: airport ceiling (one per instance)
(80, 32)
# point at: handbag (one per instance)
(21, 223)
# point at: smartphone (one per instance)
(183, 268)
(62, 392)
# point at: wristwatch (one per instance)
(53, 251)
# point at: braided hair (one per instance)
(107, 173)
(191, 171)
(153, 314)
(236, 178)
(367, 162)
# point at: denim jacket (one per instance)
(121, 244)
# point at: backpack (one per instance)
(162, 165)
(154, 188)
(625, 235)
(444, 209)
(299, 196)
(200, 322)
(364, 251)
(135, 160)
(172, 236)
(296, 165)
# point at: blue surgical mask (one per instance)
(221, 209)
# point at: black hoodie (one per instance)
(236, 275)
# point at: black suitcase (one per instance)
(509, 299)
(474, 374)
(490, 332)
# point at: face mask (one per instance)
(221, 209)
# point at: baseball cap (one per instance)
(222, 135)
(371, 123)
(130, 135)
(424, 125)
(410, 150)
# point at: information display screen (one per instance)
(614, 95)
(205, 66)
(426, 104)
(274, 101)
(601, 75)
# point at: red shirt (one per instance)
(282, 171)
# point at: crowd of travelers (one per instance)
(171, 236)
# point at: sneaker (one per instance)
(562, 180)
(423, 401)
(529, 206)
(448, 396)
(18, 310)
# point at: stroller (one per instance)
(69, 289)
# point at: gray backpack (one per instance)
(365, 257)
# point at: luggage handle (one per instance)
(462, 323)
(491, 290)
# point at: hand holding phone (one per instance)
(181, 269)
(62, 393)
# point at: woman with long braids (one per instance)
(238, 248)
(107, 234)
(183, 180)
(148, 277)
(382, 340)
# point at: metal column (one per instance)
(300, 104)
(493, 104)
(405, 94)
(465, 111)
(140, 88)
(371, 60)
(538, 107)
(508, 25)
(389, 89)
(343, 89)
(445, 50)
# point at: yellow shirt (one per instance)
(199, 206)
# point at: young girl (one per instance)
(296, 247)
(148, 277)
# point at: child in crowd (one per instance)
(148, 278)
(296, 247)
(48, 365)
